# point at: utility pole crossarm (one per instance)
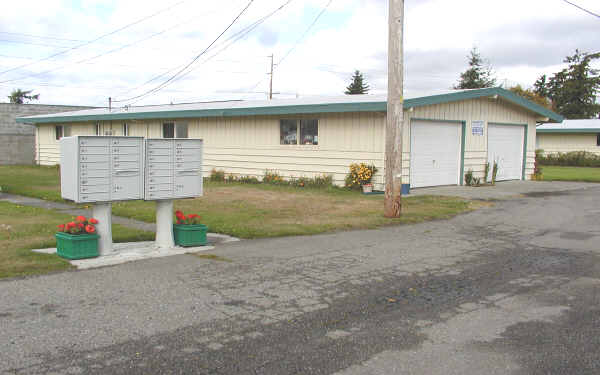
(395, 116)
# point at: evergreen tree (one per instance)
(19, 96)
(479, 75)
(358, 86)
(573, 90)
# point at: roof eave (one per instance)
(591, 131)
(480, 93)
(230, 112)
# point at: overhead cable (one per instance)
(174, 76)
(94, 40)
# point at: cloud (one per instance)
(522, 39)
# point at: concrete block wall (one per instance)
(17, 141)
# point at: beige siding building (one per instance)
(568, 136)
(444, 135)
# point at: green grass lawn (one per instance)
(23, 228)
(584, 174)
(32, 181)
(256, 211)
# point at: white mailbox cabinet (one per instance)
(101, 169)
(173, 168)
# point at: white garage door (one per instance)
(505, 145)
(434, 153)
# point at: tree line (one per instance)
(571, 92)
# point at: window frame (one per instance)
(178, 127)
(59, 134)
(97, 128)
(172, 124)
(125, 129)
(598, 139)
(299, 125)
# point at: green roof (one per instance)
(350, 103)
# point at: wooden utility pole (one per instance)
(271, 84)
(395, 118)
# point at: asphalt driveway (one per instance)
(509, 289)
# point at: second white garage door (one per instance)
(505, 146)
(434, 153)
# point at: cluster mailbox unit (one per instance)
(103, 169)
(173, 168)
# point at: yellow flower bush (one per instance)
(360, 174)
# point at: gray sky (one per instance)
(522, 39)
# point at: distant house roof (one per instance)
(571, 126)
(346, 103)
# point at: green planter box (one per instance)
(76, 246)
(190, 235)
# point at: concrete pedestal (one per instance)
(164, 224)
(103, 213)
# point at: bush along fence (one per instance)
(569, 159)
(272, 177)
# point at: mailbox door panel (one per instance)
(126, 186)
(188, 186)
(118, 141)
(93, 141)
(94, 197)
(85, 158)
(94, 189)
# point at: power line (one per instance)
(582, 8)
(232, 39)
(121, 47)
(297, 42)
(96, 39)
(174, 76)
(306, 32)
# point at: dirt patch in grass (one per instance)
(23, 228)
(255, 211)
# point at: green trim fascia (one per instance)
(300, 109)
(436, 120)
(526, 132)
(507, 123)
(227, 112)
(463, 139)
(590, 131)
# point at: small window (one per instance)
(309, 132)
(303, 132)
(125, 129)
(181, 130)
(288, 132)
(58, 132)
(168, 130)
(97, 128)
(598, 139)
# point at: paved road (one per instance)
(510, 289)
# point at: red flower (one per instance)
(79, 225)
(190, 216)
(179, 221)
(61, 227)
(90, 228)
(93, 221)
(179, 215)
(81, 218)
(70, 225)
